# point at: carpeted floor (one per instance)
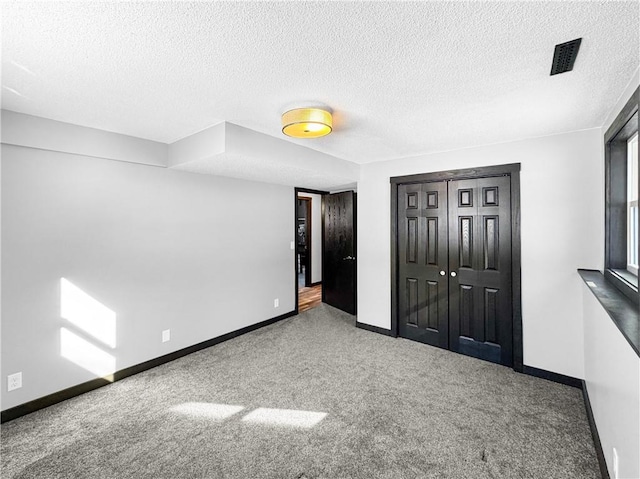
(311, 397)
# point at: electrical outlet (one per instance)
(166, 335)
(276, 303)
(14, 381)
(615, 464)
(293, 245)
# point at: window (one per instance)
(632, 205)
(622, 252)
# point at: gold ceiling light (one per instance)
(306, 123)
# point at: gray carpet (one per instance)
(394, 409)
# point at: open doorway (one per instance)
(303, 240)
(308, 248)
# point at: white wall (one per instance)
(562, 230)
(612, 375)
(163, 249)
(316, 236)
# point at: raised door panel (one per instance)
(412, 234)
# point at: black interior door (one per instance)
(422, 262)
(480, 309)
(339, 257)
(454, 266)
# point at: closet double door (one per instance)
(454, 266)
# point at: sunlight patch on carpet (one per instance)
(285, 417)
(207, 410)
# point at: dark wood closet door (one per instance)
(422, 262)
(480, 309)
(339, 257)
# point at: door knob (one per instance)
(453, 274)
(442, 273)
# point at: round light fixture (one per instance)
(306, 123)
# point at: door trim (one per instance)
(511, 170)
(297, 190)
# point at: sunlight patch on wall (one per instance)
(207, 410)
(86, 355)
(285, 417)
(86, 313)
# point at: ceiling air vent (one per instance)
(564, 56)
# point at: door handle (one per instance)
(453, 274)
(348, 258)
(443, 273)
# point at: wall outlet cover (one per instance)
(14, 381)
(276, 303)
(166, 335)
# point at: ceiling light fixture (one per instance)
(306, 123)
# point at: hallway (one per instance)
(309, 297)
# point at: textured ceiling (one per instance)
(403, 78)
